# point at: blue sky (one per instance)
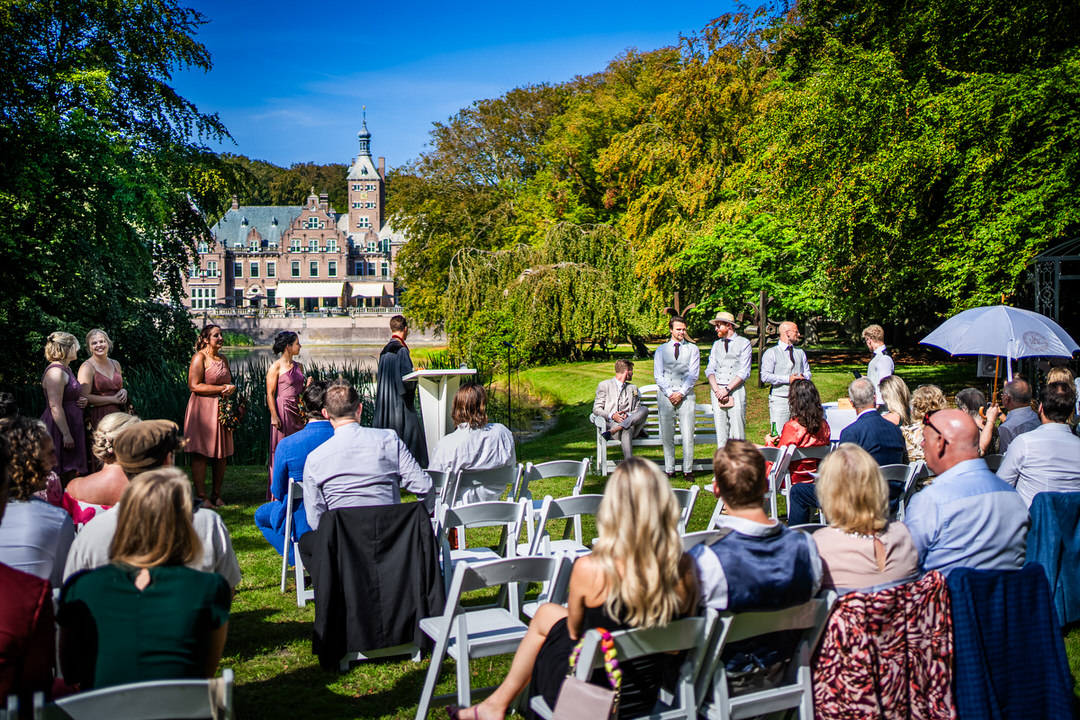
(290, 79)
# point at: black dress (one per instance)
(395, 400)
(641, 677)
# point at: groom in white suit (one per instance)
(619, 403)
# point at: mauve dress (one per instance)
(107, 387)
(205, 435)
(67, 459)
(287, 399)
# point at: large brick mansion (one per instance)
(307, 257)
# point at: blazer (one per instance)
(609, 400)
(877, 436)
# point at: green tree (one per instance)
(103, 172)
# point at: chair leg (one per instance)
(432, 677)
(298, 567)
(464, 691)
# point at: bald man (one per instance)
(968, 517)
(782, 364)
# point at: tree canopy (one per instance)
(104, 174)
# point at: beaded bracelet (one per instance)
(611, 663)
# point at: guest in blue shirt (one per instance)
(289, 459)
(968, 517)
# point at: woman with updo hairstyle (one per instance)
(637, 576)
(209, 379)
(475, 444)
(861, 549)
(86, 496)
(35, 536)
(101, 380)
(896, 399)
(145, 616)
(63, 415)
(926, 398)
(284, 383)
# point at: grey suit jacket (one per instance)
(609, 400)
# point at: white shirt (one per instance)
(486, 448)
(91, 547)
(736, 344)
(881, 366)
(690, 352)
(35, 537)
(768, 365)
(1046, 459)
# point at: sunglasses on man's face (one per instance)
(927, 423)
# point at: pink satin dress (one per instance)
(205, 435)
(287, 399)
(73, 458)
(108, 387)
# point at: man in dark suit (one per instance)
(872, 433)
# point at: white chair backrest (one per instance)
(689, 540)
(569, 507)
(470, 486)
(576, 469)
(895, 473)
(817, 452)
(915, 471)
(687, 498)
(152, 700)
(780, 458)
(294, 493)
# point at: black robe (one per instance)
(395, 400)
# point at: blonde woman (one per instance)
(861, 549)
(85, 496)
(146, 616)
(897, 400)
(926, 398)
(101, 379)
(636, 576)
(64, 415)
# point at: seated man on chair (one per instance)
(358, 466)
(757, 563)
(619, 403)
(289, 459)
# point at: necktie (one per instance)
(791, 354)
(676, 351)
(726, 343)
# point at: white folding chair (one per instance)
(692, 634)
(469, 486)
(808, 527)
(506, 514)
(152, 700)
(542, 471)
(689, 540)
(303, 593)
(295, 492)
(555, 591)
(687, 497)
(914, 472)
(566, 508)
(717, 513)
(780, 458)
(464, 633)
(795, 691)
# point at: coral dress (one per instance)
(287, 399)
(205, 435)
(68, 459)
(108, 387)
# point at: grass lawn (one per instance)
(269, 643)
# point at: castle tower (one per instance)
(365, 189)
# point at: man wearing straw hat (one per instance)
(727, 372)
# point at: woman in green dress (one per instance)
(146, 616)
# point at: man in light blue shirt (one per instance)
(358, 466)
(1046, 459)
(1020, 418)
(968, 517)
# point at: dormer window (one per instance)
(253, 245)
(313, 223)
(204, 247)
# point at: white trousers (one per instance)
(666, 414)
(779, 412)
(730, 422)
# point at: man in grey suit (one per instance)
(619, 403)
(780, 365)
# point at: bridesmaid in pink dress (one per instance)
(284, 383)
(64, 415)
(208, 379)
(102, 384)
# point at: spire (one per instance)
(365, 136)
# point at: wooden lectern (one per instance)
(437, 390)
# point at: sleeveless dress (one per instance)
(105, 386)
(287, 399)
(641, 677)
(205, 435)
(68, 459)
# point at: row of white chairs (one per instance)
(465, 633)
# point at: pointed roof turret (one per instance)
(364, 136)
(363, 168)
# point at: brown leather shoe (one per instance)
(688, 477)
(672, 475)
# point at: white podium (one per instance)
(437, 390)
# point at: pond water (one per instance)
(366, 356)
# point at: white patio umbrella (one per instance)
(1003, 331)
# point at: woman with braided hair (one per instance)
(86, 496)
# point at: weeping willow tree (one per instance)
(574, 291)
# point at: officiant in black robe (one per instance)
(395, 399)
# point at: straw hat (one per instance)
(723, 317)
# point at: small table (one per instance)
(437, 390)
